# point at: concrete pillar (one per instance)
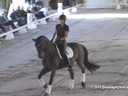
(60, 7)
(118, 4)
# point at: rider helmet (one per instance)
(62, 17)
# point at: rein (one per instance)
(38, 45)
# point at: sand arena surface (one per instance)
(106, 40)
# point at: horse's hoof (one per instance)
(83, 84)
(46, 86)
(39, 77)
(46, 94)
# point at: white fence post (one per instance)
(74, 10)
(9, 36)
(118, 6)
(54, 18)
(30, 17)
(60, 7)
(43, 21)
(23, 30)
(67, 12)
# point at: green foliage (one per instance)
(5, 3)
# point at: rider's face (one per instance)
(62, 21)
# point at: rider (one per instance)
(62, 32)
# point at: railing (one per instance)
(9, 35)
(111, 5)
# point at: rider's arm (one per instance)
(54, 34)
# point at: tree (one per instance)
(5, 3)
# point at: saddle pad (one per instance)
(69, 52)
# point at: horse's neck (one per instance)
(50, 49)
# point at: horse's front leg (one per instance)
(41, 81)
(49, 88)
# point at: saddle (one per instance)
(69, 52)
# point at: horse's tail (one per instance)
(90, 66)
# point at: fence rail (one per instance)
(9, 35)
(112, 5)
(23, 29)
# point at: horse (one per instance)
(51, 61)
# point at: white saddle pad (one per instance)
(69, 52)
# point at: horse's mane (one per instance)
(40, 38)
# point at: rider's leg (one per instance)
(62, 49)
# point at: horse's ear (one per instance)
(34, 40)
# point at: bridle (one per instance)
(38, 45)
(41, 51)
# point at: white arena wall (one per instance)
(104, 3)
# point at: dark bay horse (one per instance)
(52, 62)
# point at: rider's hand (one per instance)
(62, 39)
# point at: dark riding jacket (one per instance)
(62, 43)
(61, 33)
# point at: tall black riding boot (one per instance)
(67, 61)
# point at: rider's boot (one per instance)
(67, 61)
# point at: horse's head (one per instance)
(40, 44)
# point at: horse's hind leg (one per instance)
(43, 72)
(71, 83)
(82, 67)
